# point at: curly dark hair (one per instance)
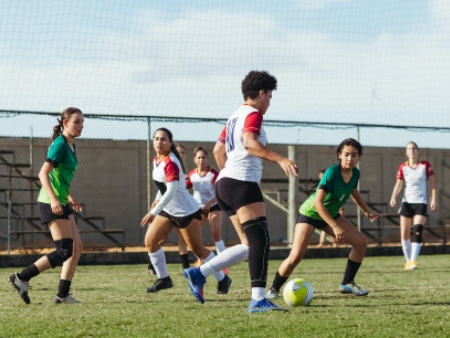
(255, 81)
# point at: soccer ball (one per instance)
(298, 292)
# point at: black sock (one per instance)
(184, 258)
(258, 253)
(278, 282)
(350, 271)
(64, 288)
(29, 272)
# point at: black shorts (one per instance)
(314, 222)
(47, 215)
(411, 209)
(182, 222)
(233, 194)
(215, 207)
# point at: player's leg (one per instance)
(69, 267)
(198, 262)
(215, 221)
(416, 241)
(157, 231)
(182, 249)
(302, 236)
(322, 239)
(405, 232)
(355, 258)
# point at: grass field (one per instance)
(115, 304)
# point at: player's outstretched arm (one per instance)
(356, 197)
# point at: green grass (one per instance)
(115, 304)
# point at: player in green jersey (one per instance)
(321, 211)
(56, 206)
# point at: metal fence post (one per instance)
(292, 197)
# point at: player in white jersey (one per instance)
(202, 180)
(413, 210)
(182, 246)
(239, 152)
(173, 207)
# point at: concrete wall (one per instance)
(112, 182)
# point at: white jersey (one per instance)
(240, 164)
(415, 181)
(169, 170)
(203, 186)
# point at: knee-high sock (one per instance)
(406, 247)
(231, 256)
(158, 260)
(258, 254)
(415, 250)
(218, 275)
(220, 246)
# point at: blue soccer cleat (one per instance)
(195, 281)
(263, 305)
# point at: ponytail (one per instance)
(65, 115)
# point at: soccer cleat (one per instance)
(353, 289)
(65, 300)
(272, 294)
(263, 305)
(224, 286)
(195, 281)
(413, 265)
(408, 266)
(160, 284)
(20, 286)
(151, 269)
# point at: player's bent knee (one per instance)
(64, 250)
(417, 233)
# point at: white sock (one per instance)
(231, 256)
(406, 246)
(220, 246)
(415, 251)
(258, 293)
(219, 275)
(158, 260)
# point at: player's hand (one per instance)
(76, 206)
(372, 216)
(206, 209)
(393, 202)
(340, 234)
(56, 206)
(147, 219)
(289, 167)
(433, 205)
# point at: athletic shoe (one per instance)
(197, 263)
(353, 289)
(413, 265)
(408, 266)
(65, 300)
(224, 286)
(160, 284)
(263, 305)
(20, 286)
(195, 281)
(272, 294)
(151, 270)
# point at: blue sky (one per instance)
(348, 61)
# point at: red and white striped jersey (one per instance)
(240, 164)
(415, 181)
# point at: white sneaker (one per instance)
(20, 286)
(272, 294)
(65, 300)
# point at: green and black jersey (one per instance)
(338, 192)
(65, 163)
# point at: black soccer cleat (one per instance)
(20, 286)
(160, 284)
(224, 286)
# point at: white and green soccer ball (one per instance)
(298, 292)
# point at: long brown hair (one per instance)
(173, 147)
(65, 115)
